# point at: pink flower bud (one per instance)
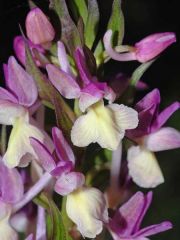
(151, 46)
(38, 28)
(19, 49)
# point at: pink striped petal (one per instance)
(67, 183)
(21, 83)
(7, 95)
(11, 184)
(126, 218)
(63, 149)
(165, 115)
(82, 67)
(44, 156)
(63, 82)
(63, 59)
(164, 139)
(154, 229)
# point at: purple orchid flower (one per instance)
(143, 51)
(38, 28)
(125, 224)
(92, 213)
(17, 103)
(66, 83)
(151, 136)
(19, 49)
(67, 179)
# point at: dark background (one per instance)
(142, 17)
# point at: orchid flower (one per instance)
(93, 211)
(88, 209)
(11, 191)
(66, 83)
(105, 125)
(67, 179)
(151, 137)
(19, 49)
(16, 103)
(143, 51)
(126, 221)
(38, 28)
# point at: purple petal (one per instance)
(165, 115)
(41, 224)
(7, 95)
(145, 121)
(129, 56)
(63, 167)
(154, 229)
(151, 46)
(38, 28)
(82, 67)
(11, 184)
(152, 98)
(141, 85)
(63, 149)
(63, 59)
(63, 82)
(90, 95)
(67, 183)
(5, 70)
(164, 139)
(147, 203)
(119, 84)
(44, 156)
(19, 48)
(21, 83)
(148, 110)
(128, 216)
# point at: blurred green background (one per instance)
(142, 17)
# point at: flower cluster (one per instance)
(68, 125)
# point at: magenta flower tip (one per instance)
(151, 46)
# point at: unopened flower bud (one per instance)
(19, 48)
(151, 46)
(38, 28)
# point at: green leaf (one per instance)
(99, 53)
(69, 32)
(64, 116)
(116, 23)
(45, 89)
(56, 227)
(92, 22)
(137, 74)
(81, 8)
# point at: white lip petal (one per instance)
(104, 125)
(19, 143)
(87, 208)
(144, 168)
(10, 111)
